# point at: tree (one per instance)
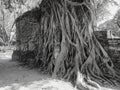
(66, 44)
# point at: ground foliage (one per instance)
(60, 35)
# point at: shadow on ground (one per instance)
(14, 75)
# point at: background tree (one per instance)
(9, 11)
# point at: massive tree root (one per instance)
(67, 46)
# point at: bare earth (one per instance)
(15, 77)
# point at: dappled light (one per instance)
(6, 54)
(48, 84)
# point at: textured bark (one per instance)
(64, 43)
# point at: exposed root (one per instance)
(67, 46)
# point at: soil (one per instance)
(13, 76)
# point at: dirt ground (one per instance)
(13, 76)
